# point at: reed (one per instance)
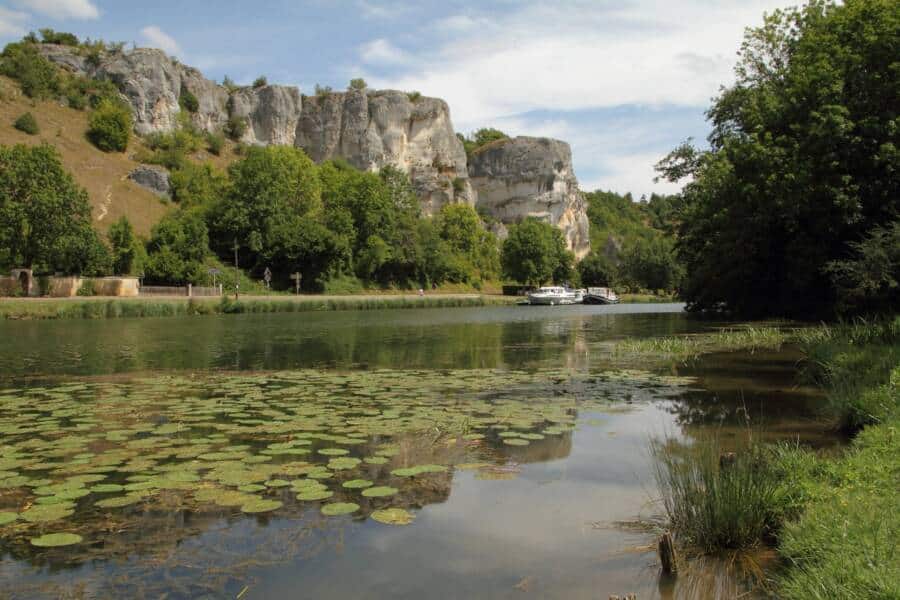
(688, 348)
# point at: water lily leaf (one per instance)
(8, 517)
(119, 501)
(393, 516)
(40, 513)
(357, 484)
(515, 442)
(260, 505)
(315, 495)
(339, 508)
(333, 451)
(379, 491)
(52, 540)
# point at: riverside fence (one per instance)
(187, 291)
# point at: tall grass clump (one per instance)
(852, 362)
(717, 501)
(691, 347)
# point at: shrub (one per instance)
(188, 101)
(459, 184)
(61, 38)
(87, 288)
(322, 90)
(214, 143)
(38, 77)
(27, 124)
(260, 81)
(414, 96)
(357, 84)
(235, 127)
(229, 84)
(110, 126)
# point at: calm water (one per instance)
(536, 436)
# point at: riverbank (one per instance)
(834, 521)
(106, 308)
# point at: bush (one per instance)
(414, 96)
(214, 143)
(322, 90)
(87, 288)
(38, 77)
(61, 38)
(235, 128)
(27, 124)
(188, 101)
(357, 84)
(459, 185)
(260, 81)
(110, 127)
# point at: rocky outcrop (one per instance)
(531, 177)
(271, 111)
(371, 129)
(510, 179)
(155, 179)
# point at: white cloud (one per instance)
(382, 52)
(157, 38)
(62, 9)
(580, 54)
(11, 23)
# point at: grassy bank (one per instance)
(690, 347)
(835, 521)
(106, 308)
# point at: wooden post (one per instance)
(297, 277)
(667, 554)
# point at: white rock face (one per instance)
(510, 179)
(532, 177)
(372, 129)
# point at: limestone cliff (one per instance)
(510, 179)
(531, 177)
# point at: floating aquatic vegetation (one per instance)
(418, 470)
(51, 540)
(260, 505)
(379, 491)
(393, 516)
(339, 508)
(357, 484)
(515, 442)
(8, 517)
(315, 495)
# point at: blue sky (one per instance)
(623, 81)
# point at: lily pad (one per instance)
(515, 442)
(339, 508)
(43, 513)
(260, 505)
(393, 516)
(379, 491)
(52, 540)
(315, 495)
(333, 452)
(354, 484)
(7, 517)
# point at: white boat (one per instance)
(555, 295)
(600, 295)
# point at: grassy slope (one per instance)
(103, 175)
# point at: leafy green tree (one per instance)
(188, 101)
(110, 126)
(128, 253)
(869, 281)
(651, 264)
(482, 137)
(260, 81)
(198, 185)
(357, 84)
(235, 127)
(803, 160)
(595, 269)
(177, 249)
(535, 252)
(49, 36)
(45, 217)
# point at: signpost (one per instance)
(236, 273)
(267, 277)
(214, 272)
(296, 277)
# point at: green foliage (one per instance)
(26, 123)
(45, 217)
(535, 252)
(171, 149)
(188, 101)
(414, 96)
(260, 81)
(235, 127)
(869, 281)
(128, 253)
(49, 36)
(81, 92)
(198, 185)
(650, 264)
(229, 84)
(177, 249)
(713, 506)
(110, 126)
(596, 269)
(480, 138)
(38, 77)
(215, 142)
(357, 84)
(86, 289)
(803, 161)
(322, 91)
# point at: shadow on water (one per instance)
(544, 445)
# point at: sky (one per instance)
(623, 81)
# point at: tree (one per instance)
(357, 84)
(45, 216)
(480, 138)
(260, 81)
(535, 252)
(269, 187)
(235, 127)
(650, 264)
(38, 77)
(188, 101)
(110, 126)
(802, 164)
(595, 269)
(177, 249)
(128, 254)
(198, 185)
(869, 281)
